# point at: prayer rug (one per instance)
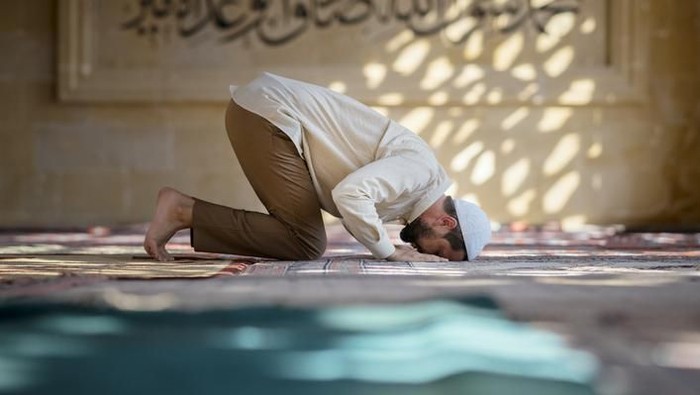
(117, 254)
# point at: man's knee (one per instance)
(311, 247)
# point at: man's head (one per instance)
(456, 230)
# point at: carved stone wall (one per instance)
(391, 52)
(569, 110)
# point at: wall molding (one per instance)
(83, 78)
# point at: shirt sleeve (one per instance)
(384, 180)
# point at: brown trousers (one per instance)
(294, 228)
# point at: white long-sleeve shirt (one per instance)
(366, 168)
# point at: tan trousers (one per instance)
(294, 228)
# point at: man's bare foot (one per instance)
(173, 212)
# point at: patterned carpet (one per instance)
(79, 305)
(27, 257)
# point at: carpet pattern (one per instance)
(27, 257)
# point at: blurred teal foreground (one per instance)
(430, 347)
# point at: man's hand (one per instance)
(407, 253)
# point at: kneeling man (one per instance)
(305, 148)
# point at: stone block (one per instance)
(25, 57)
(11, 17)
(15, 108)
(90, 146)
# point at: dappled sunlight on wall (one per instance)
(507, 112)
(539, 109)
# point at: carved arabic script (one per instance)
(276, 22)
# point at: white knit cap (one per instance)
(475, 226)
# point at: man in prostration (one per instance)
(305, 148)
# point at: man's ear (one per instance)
(448, 221)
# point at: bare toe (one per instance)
(163, 255)
(150, 247)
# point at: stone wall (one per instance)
(595, 121)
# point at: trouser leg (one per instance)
(293, 229)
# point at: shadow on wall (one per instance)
(522, 150)
(539, 109)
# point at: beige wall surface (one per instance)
(540, 110)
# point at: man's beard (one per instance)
(414, 231)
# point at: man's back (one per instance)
(336, 134)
